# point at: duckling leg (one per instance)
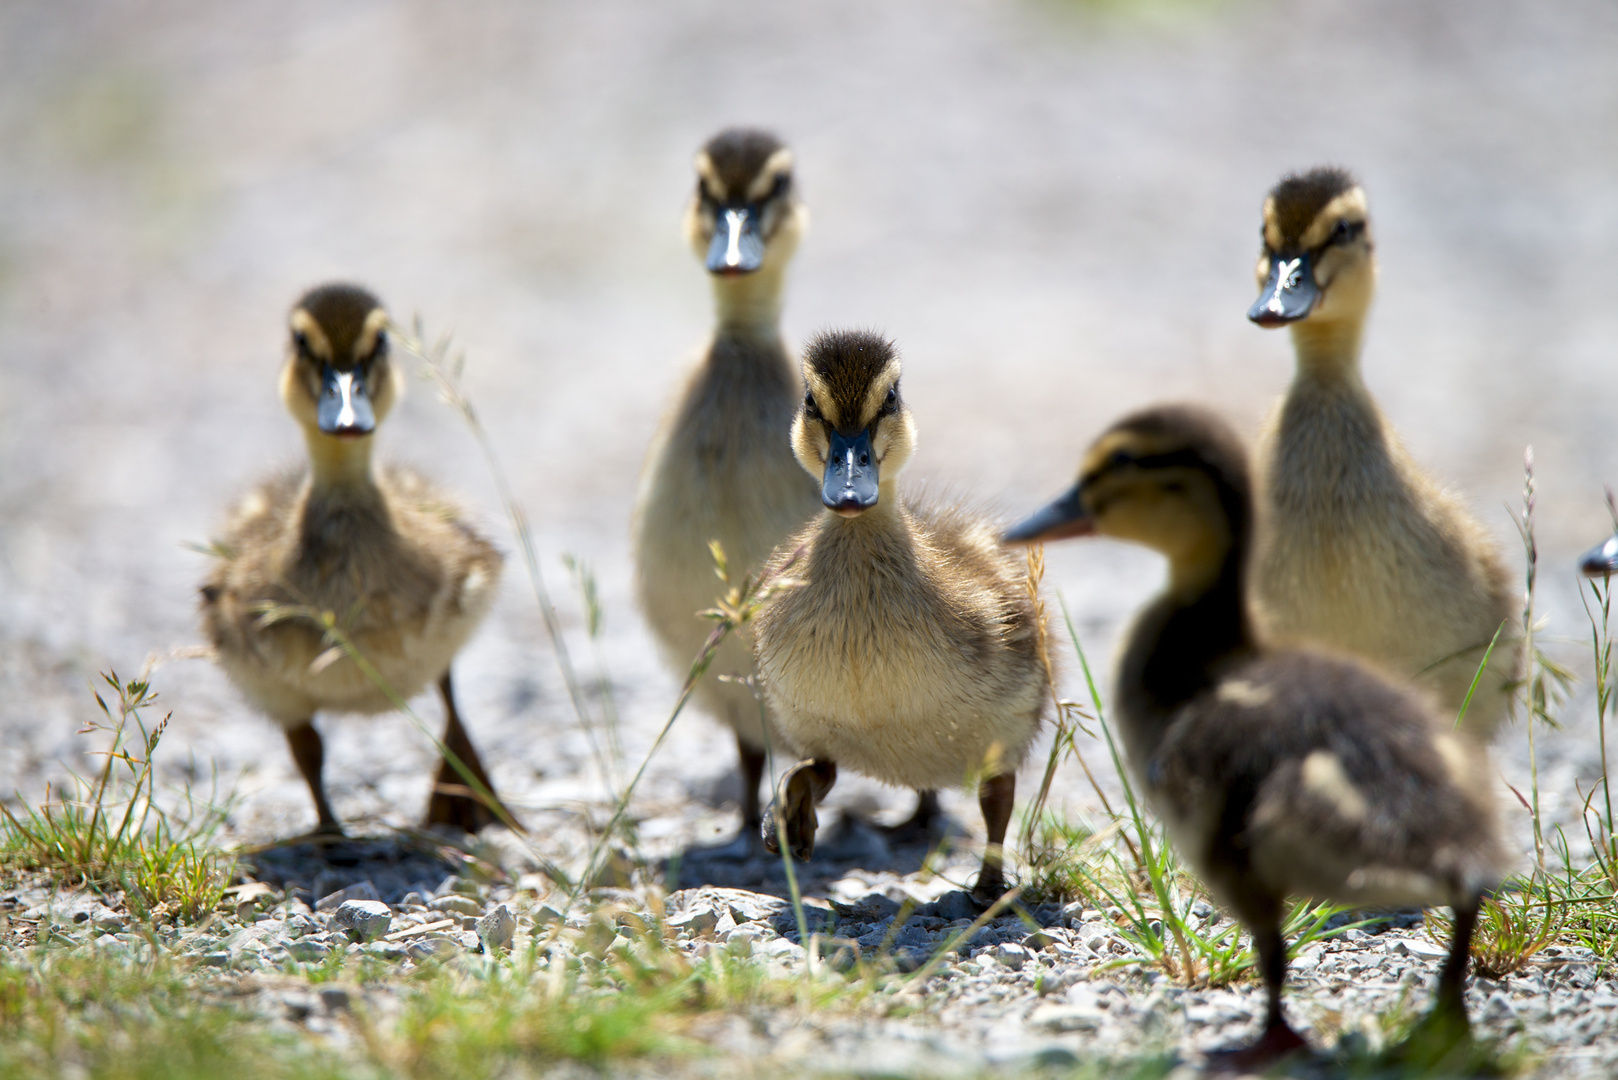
(752, 768)
(919, 825)
(310, 755)
(453, 802)
(1452, 980)
(995, 796)
(1278, 1039)
(803, 786)
(1438, 1034)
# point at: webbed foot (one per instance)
(802, 787)
(1279, 1041)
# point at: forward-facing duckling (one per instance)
(386, 556)
(1277, 772)
(906, 648)
(720, 466)
(1359, 550)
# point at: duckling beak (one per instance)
(1289, 294)
(1063, 518)
(738, 246)
(850, 485)
(1601, 560)
(345, 408)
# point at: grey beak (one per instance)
(737, 246)
(1289, 294)
(345, 406)
(1601, 560)
(850, 483)
(1063, 518)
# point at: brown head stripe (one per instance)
(1299, 197)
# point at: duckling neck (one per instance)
(1179, 648)
(1328, 350)
(340, 464)
(749, 305)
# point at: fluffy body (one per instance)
(394, 562)
(1361, 551)
(720, 468)
(907, 650)
(1316, 777)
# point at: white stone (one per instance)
(363, 890)
(368, 919)
(1011, 956)
(497, 929)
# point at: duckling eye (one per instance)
(1345, 231)
(381, 345)
(809, 408)
(890, 404)
(300, 342)
(779, 188)
(1119, 459)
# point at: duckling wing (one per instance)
(1303, 773)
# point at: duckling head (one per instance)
(338, 381)
(744, 216)
(853, 431)
(1173, 478)
(1317, 259)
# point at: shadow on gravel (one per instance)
(393, 865)
(849, 844)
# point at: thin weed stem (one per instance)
(446, 372)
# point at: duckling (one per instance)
(720, 466)
(383, 552)
(1277, 772)
(1359, 550)
(907, 647)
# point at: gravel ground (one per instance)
(1049, 987)
(1050, 204)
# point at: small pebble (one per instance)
(367, 919)
(1011, 956)
(363, 890)
(497, 929)
(456, 904)
(307, 949)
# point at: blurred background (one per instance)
(1052, 205)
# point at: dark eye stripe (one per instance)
(1189, 459)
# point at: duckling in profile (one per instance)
(1358, 549)
(720, 466)
(906, 649)
(1276, 772)
(384, 554)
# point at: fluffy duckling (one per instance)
(1359, 550)
(382, 552)
(720, 466)
(1277, 772)
(906, 649)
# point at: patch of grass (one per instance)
(111, 834)
(482, 1026)
(1512, 927)
(81, 1013)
